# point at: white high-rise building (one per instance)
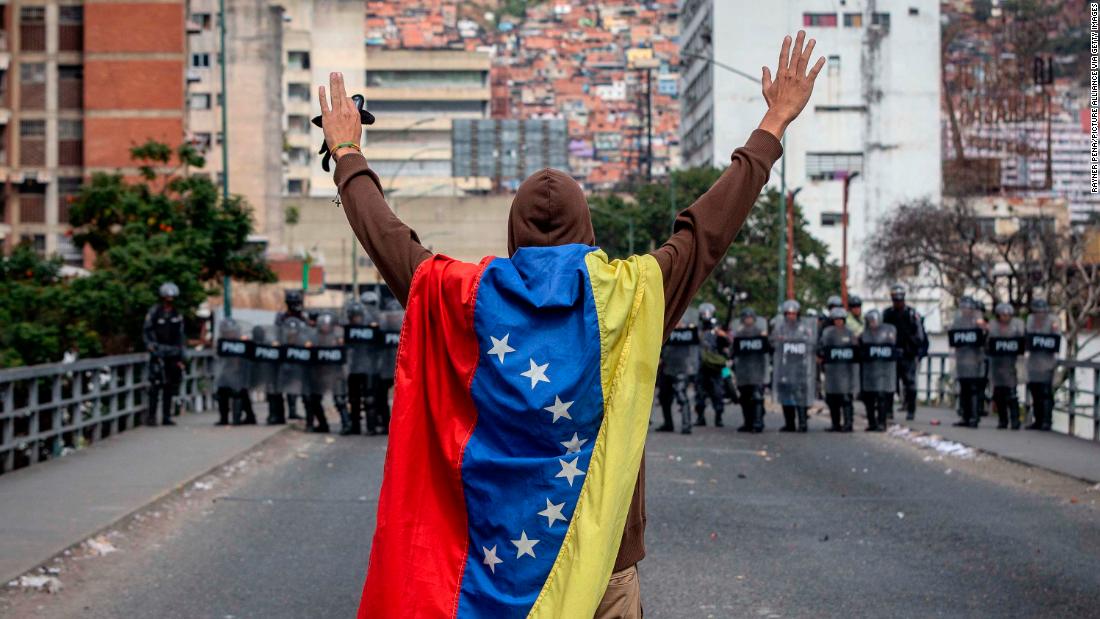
(875, 109)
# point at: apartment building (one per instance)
(80, 84)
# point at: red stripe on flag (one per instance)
(420, 544)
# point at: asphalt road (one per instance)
(768, 525)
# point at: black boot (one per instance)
(803, 414)
(276, 415)
(222, 395)
(849, 414)
(788, 419)
(834, 414)
(718, 419)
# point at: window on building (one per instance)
(834, 63)
(830, 219)
(297, 91)
(32, 15)
(297, 124)
(853, 20)
(70, 72)
(32, 72)
(295, 186)
(201, 140)
(69, 185)
(406, 79)
(203, 20)
(821, 20)
(70, 15)
(297, 60)
(219, 138)
(1037, 225)
(32, 128)
(199, 101)
(199, 61)
(298, 156)
(830, 165)
(70, 129)
(37, 242)
(986, 227)
(881, 19)
(914, 10)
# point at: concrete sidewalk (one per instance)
(48, 507)
(1049, 450)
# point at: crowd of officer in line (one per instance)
(348, 355)
(847, 355)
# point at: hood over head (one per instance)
(549, 209)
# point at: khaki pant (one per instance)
(623, 598)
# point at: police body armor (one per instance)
(839, 352)
(232, 370)
(967, 338)
(793, 361)
(296, 340)
(1042, 340)
(264, 356)
(879, 354)
(750, 354)
(1005, 346)
(680, 355)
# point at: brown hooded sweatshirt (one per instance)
(550, 209)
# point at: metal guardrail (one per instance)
(48, 409)
(1077, 392)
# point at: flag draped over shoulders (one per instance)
(523, 392)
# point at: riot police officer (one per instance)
(837, 352)
(164, 339)
(233, 377)
(327, 376)
(712, 357)
(912, 345)
(854, 321)
(1043, 339)
(265, 370)
(679, 366)
(361, 334)
(295, 340)
(967, 337)
(878, 369)
(390, 322)
(1006, 344)
(793, 365)
(750, 368)
(295, 308)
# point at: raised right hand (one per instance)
(790, 90)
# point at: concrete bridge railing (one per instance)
(48, 409)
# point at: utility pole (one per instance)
(789, 199)
(848, 176)
(648, 128)
(227, 291)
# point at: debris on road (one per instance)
(100, 545)
(49, 584)
(932, 441)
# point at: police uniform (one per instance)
(1043, 339)
(679, 366)
(164, 339)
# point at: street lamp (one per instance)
(847, 178)
(782, 169)
(790, 241)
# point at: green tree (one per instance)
(164, 227)
(751, 264)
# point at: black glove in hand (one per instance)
(365, 118)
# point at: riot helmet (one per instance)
(874, 319)
(369, 297)
(837, 313)
(356, 313)
(1040, 305)
(230, 329)
(834, 301)
(326, 322)
(897, 292)
(855, 301)
(293, 299)
(168, 291)
(789, 307)
(259, 334)
(1004, 311)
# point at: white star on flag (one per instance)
(491, 558)
(537, 373)
(525, 546)
(559, 408)
(500, 347)
(552, 513)
(569, 470)
(573, 445)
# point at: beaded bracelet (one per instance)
(347, 145)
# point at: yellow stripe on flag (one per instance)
(630, 309)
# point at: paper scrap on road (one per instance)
(932, 441)
(100, 545)
(50, 584)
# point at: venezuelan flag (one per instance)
(524, 387)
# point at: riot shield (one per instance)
(362, 338)
(750, 350)
(967, 336)
(264, 356)
(390, 322)
(680, 354)
(878, 358)
(232, 348)
(1005, 346)
(296, 339)
(328, 358)
(1042, 340)
(839, 353)
(794, 364)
